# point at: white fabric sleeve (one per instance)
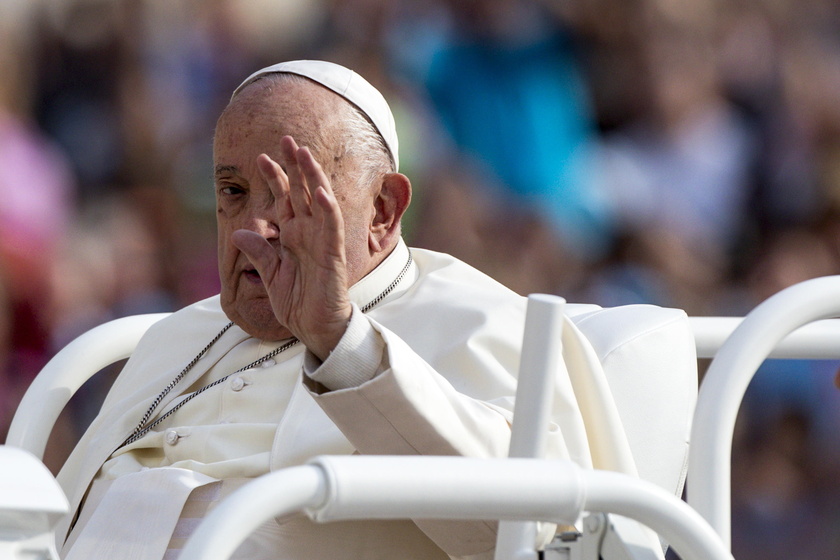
(411, 409)
(357, 358)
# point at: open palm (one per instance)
(306, 279)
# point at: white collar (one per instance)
(377, 280)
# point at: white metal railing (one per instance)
(814, 341)
(542, 356)
(387, 487)
(765, 328)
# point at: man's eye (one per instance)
(231, 190)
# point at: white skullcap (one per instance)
(347, 84)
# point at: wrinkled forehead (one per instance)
(284, 104)
(283, 87)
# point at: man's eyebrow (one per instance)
(222, 169)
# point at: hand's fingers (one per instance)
(326, 208)
(315, 178)
(299, 193)
(312, 170)
(275, 177)
(259, 251)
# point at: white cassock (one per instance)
(429, 370)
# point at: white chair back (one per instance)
(59, 380)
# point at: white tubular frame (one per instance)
(726, 381)
(68, 370)
(542, 355)
(814, 341)
(387, 487)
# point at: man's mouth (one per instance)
(252, 275)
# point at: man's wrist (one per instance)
(323, 344)
(357, 357)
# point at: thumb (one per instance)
(259, 251)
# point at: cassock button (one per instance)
(237, 384)
(171, 437)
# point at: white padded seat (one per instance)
(649, 358)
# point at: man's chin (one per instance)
(259, 323)
(270, 332)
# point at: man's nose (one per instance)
(264, 224)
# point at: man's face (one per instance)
(253, 124)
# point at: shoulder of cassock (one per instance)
(459, 316)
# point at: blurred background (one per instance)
(685, 154)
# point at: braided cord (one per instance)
(391, 287)
(134, 435)
(142, 429)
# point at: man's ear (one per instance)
(389, 206)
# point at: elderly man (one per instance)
(329, 336)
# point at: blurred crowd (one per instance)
(685, 154)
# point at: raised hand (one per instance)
(306, 279)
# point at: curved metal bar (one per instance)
(817, 340)
(726, 381)
(386, 487)
(275, 494)
(66, 372)
(680, 525)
